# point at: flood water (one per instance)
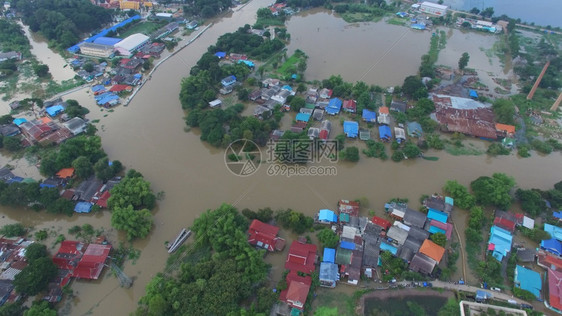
(41, 50)
(376, 53)
(149, 136)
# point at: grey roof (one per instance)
(435, 203)
(358, 222)
(406, 254)
(328, 271)
(414, 218)
(343, 256)
(418, 233)
(6, 174)
(526, 255)
(412, 243)
(318, 114)
(9, 130)
(87, 189)
(76, 125)
(398, 106)
(371, 233)
(422, 264)
(6, 288)
(371, 254)
(397, 234)
(354, 269)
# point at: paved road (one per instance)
(472, 289)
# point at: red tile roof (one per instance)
(381, 222)
(266, 234)
(549, 261)
(510, 129)
(447, 227)
(504, 223)
(120, 87)
(301, 257)
(350, 105)
(65, 173)
(384, 110)
(555, 289)
(82, 260)
(297, 290)
(102, 201)
(432, 250)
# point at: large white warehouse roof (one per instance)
(133, 41)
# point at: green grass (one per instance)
(397, 21)
(465, 150)
(145, 28)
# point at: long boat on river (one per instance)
(182, 236)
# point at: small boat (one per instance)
(182, 236)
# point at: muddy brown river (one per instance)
(149, 136)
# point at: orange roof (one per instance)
(383, 110)
(65, 173)
(432, 250)
(45, 120)
(504, 127)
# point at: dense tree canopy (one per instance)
(132, 191)
(459, 192)
(328, 238)
(12, 230)
(12, 38)
(40, 308)
(62, 22)
(87, 146)
(136, 223)
(504, 110)
(36, 276)
(531, 201)
(493, 190)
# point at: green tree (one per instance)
(36, 276)
(397, 156)
(504, 111)
(11, 309)
(40, 308)
(6, 119)
(297, 103)
(42, 71)
(463, 199)
(13, 230)
(61, 206)
(12, 143)
(351, 154)
(35, 251)
(488, 12)
(463, 61)
(82, 167)
(439, 238)
(493, 190)
(134, 191)
(89, 67)
(411, 85)
(328, 238)
(531, 201)
(74, 109)
(411, 150)
(136, 223)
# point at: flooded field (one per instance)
(149, 135)
(376, 53)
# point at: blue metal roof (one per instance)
(304, 117)
(529, 280)
(554, 231)
(557, 214)
(351, 128)
(552, 245)
(418, 26)
(110, 41)
(502, 240)
(414, 129)
(347, 245)
(329, 255)
(450, 201)
(384, 132)
(328, 271)
(483, 295)
(334, 106)
(435, 230)
(104, 32)
(97, 88)
(369, 116)
(247, 63)
(327, 216)
(19, 121)
(393, 250)
(54, 110)
(437, 215)
(83, 207)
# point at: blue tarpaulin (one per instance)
(369, 116)
(83, 207)
(384, 132)
(473, 94)
(347, 245)
(552, 245)
(418, 26)
(329, 255)
(351, 128)
(247, 63)
(555, 214)
(220, 54)
(435, 230)
(449, 200)
(14, 179)
(334, 106)
(54, 110)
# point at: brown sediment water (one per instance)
(149, 135)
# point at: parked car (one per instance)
(497, 289)
(512, 302)
(526, 306)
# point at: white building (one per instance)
(131, 43)
(96, 50)
(433, 8)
